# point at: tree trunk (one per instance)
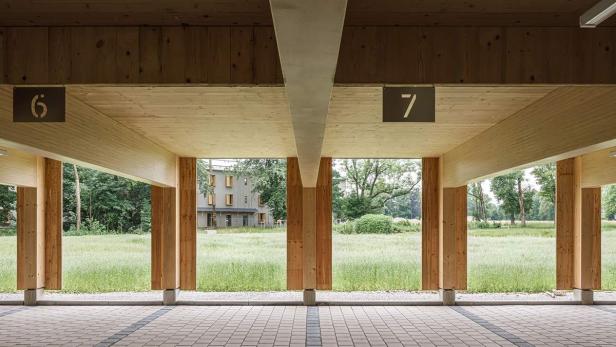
(521, 203)
(512, 218)
(77, 199)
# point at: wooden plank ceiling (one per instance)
(257, 12)
(223, 122)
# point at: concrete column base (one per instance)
(585, 296)
(447, 296)
(170, 296)
(310, 297)
(31, 296)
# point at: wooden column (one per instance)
(324, 225)
(568, 219)
(452, 240)
(309, 229)
(39, 229)
(587, 250)
(53, 224)
(295, 280)
(430, 223)
(188, 223)
(165, 239)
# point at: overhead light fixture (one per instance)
(598, 13)
(3, 152)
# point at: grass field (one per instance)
(500, 260)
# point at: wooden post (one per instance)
(587, 250)
(568, 219)
(188, 223)
(452, 240)
(165, 239)
(324, 225)
(295, 279)
(430, 223)
(53, 224)
(309, 237)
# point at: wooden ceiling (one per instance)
(257, 12)
(224, 122)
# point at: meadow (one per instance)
(500, 260)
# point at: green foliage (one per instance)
(7, 205)
(609, 202)
(118, 204)
(545, 175)
(344, 228)
(505, 188)
(405, 226)
(270, 182)
(374, 224)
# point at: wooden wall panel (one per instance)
(568, 210)
(218, 59)
(453, 240)
(188, 223)
(430, 223)
(324, 225)
(587, 252)
(18, 168)
(150, 60)
(156, 234)
(294, 226)
(53, 224)
(26, 53)
(242, 54)
(266, 62)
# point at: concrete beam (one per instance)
(308, 35)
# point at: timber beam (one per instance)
(599, 168)
(568, 122)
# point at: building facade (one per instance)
(233, 203)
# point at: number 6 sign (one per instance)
(408, 104)
(39, 104)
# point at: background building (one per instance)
(234, 201)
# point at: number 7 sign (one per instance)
(409, 104)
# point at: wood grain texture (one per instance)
(599, 168)
(165, 239)
(558, 132)
(125, 54)
(588, 243)
(324, 211)
(18, 168)
(188, 223)
(116, 149)
(453, 240)
(295, 251)
(568, 219)
(430, 204)
(53, 224)
(309, 237)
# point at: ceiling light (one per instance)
(3, 152)
(598, 13)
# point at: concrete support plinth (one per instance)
(310, 297)
(447, 296)
(170, 296)
(31, 296)
(585, 296)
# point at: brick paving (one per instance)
(571, 325)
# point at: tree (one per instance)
(545, 175)
(77, 199)
(7, 204)
(479, 206)
(609, 202)
(204, 170)
(372, 183)
(515, 199)
(269, 177)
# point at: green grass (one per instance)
(500, 260)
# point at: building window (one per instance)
(229, 181)
(245, 181)
(245, 199)
(212, 180)
(261, 218)
(210, 220)
(229, 199)
(211, 199)
(261, 202)
(245, 221)
(228, 220)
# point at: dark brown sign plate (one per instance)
(408, 104)
(39, 104)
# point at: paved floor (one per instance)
(308, 326)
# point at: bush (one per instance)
(344, 228)
(374, 224)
